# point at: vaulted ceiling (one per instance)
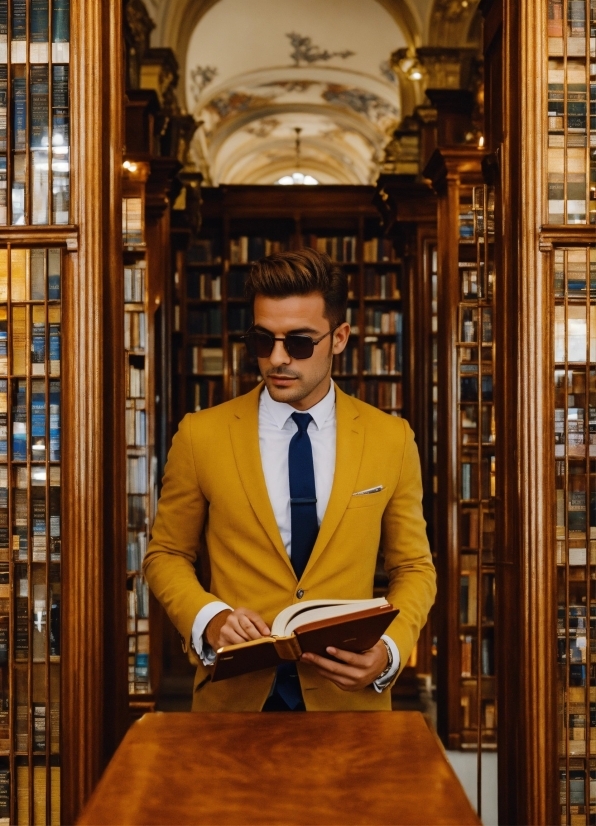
(254, 71)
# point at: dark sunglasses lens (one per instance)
(299, 347)
(259, 345)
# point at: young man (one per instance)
(291, 489)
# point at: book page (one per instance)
(317, 609)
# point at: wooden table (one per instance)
(320, 768)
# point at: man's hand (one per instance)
(355, 671)
(230, 627)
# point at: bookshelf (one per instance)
(466, 442)
(140, 427)
(241, 224)
(541, 138)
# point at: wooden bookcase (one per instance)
(466, 445)
(408, 208)
(59, 124)
(149, 188)
(241, 223)
(541, 136)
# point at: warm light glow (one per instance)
(481, 142)
(132, 167)
(297, 178)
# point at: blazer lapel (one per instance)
(244, 433)
(348, 455)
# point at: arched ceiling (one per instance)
(254, 70)
(318, 66)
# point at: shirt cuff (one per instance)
(202, 648)
(381, 684)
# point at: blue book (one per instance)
(19, 93)
(19, 424)
(40, 89)
(38, 348)
(38, 421)
(19, 19)
(54, 348)
(54, 421)
(142, 667)
(39, 22)
(61, 21)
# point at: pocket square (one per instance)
(378, 489)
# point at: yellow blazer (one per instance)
(214, 494)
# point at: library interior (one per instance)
(150, 151)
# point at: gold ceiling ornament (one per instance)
(450, 21)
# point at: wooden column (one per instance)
(526, 587)
(90, 449)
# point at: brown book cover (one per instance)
(355, 631)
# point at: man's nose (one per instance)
(278, 355)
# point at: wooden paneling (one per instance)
(96, 96)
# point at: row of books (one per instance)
(133, 224)
(383, 359)
(134, 283)
(571, 273)
(49, 22)
(475, 283)
(469, 597)
(34, 274)
(582, 791)
(208, 359)
(469, 655)
(138, 603)
(135, 329)
(136, 476)
(475, 320)
(468, 387)
(136, 548)
(477, 531)
(206, 287)
(478, 478)
(378, 249)
(206, 393)
(338, 248)
(382, 285)
(41, 520)
(471, 433)
(41, 125)
(575, 24)
(387, 395)
(382, 321)
(250, 248)
(488, 713)
(30, 431)
(136, 423)
(138, 665)
(135, 382)
(21, 788)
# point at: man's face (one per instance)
(299, 382)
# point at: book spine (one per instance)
(19, 91)
(39, 107)
(288, 648)
(39, 22)
(19, 20)
(61, 21)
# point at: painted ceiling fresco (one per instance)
(258, 69)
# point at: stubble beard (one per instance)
(299, 389)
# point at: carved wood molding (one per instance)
(96, 52)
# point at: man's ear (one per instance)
(340, 338)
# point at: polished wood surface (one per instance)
(325, 768)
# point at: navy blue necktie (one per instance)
(303, 504)
(303, 494)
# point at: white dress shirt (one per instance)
(276, 428)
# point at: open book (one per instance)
(313, 625)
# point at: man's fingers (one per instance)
(257, 621)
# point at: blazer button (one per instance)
(300, 593)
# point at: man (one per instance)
(291, 489)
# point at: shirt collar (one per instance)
(280, 412)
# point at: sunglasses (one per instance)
(297, 346)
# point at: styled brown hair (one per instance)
(298, 273)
